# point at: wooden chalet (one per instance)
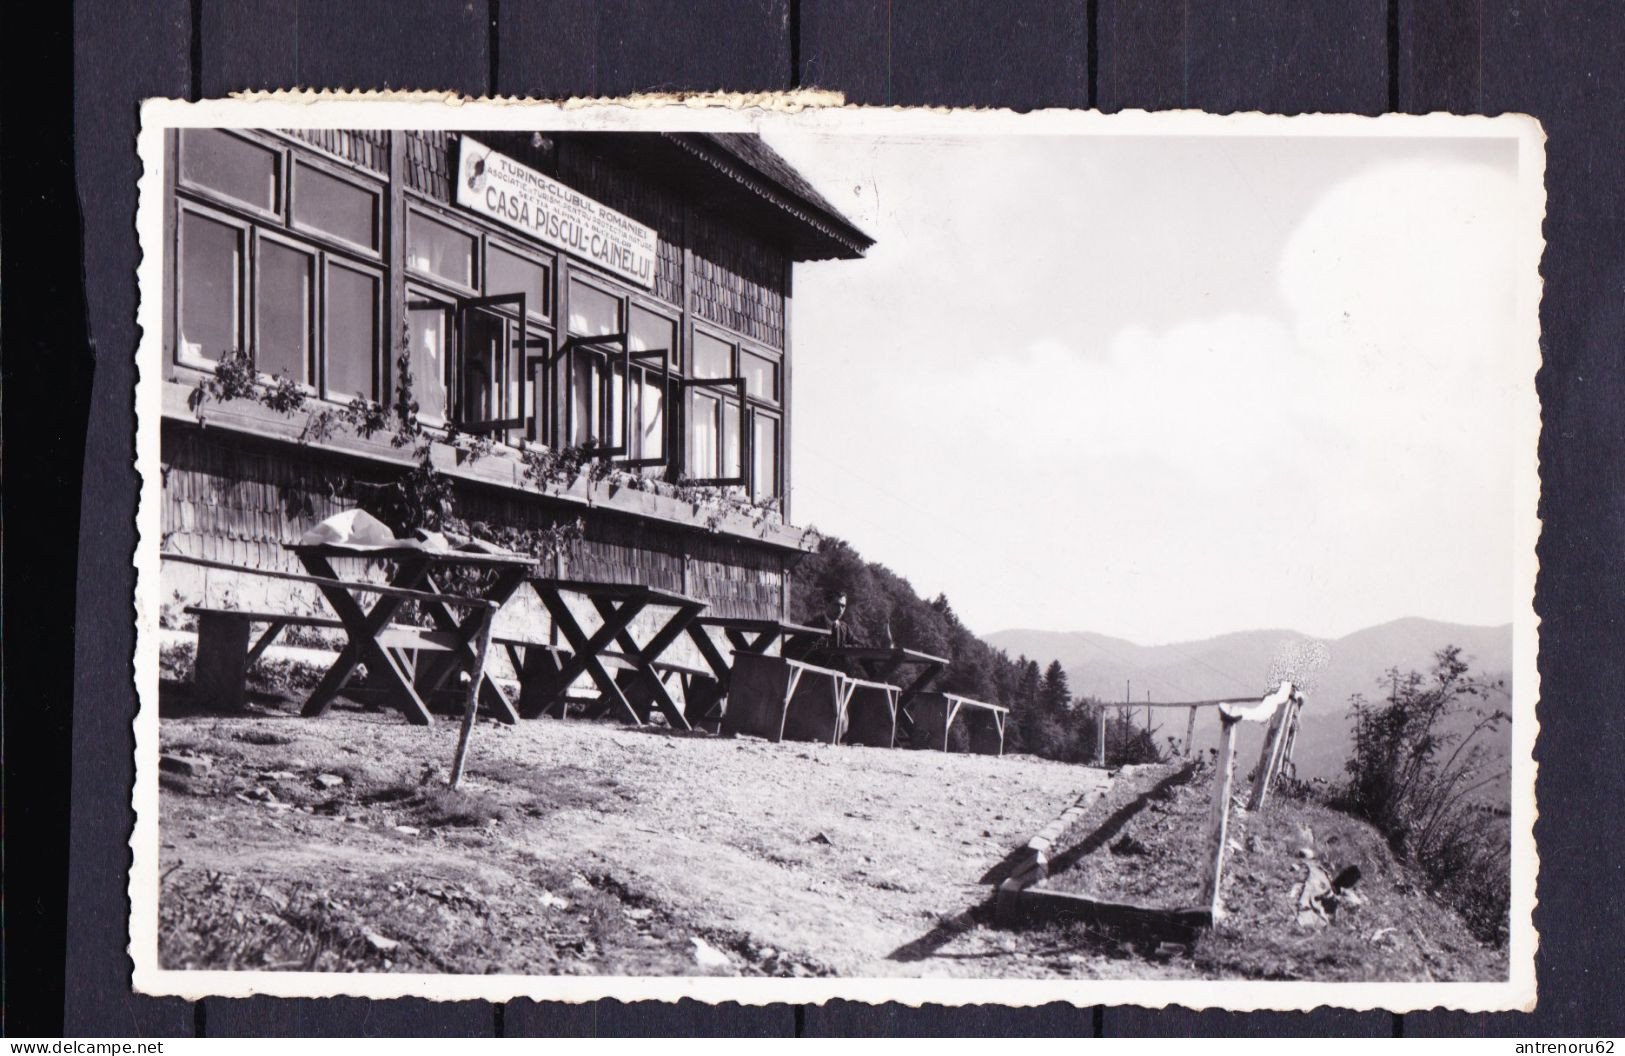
(626, 292)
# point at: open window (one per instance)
(489, 393)
(717, 439)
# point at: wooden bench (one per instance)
(224, 657)
(934, 715)
(871, 713)
(780, 699)
(539, 667)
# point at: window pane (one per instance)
(335, 206)
(230, 166)
(428, 328)
(761, 375)
(730, 439)
(764, 458)
(652, 415)
(283, 304)
(509, 273)
(351, 308)
(584, 386)
(439, 249)
(650, 332)
(712, 358)
(702, 437)
(209, 276)
(617, 393)
(592, 311)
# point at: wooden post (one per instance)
(1274, 752)
(1190, 732)
(1100, 735)
(1291, 739)
(1266, 756)
(1219, 826)
(471, 707)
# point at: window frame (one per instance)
(617, 354)
(749, 406)
(243, 293)
(313, 335)
(327, 261)
(491, 303)
(278, 212)
(298, 159)
(476, 260)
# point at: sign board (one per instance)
(517, 196)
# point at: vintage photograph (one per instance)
(781, 554)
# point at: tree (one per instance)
(1420, 760)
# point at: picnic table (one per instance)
(618, 605)
(457, 641)
(747, 635)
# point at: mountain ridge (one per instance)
(1248, 663)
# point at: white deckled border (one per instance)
(822, 112)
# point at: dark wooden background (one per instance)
(1559, 61)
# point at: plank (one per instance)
(421, 44)
(1562, 63)
(1438, 59)
(133, 52)
(1279, 56)
(524, 1018)
(1130, 1021)
(1140, 55)
(851, 1019)
(1022, 53)
(342, 1017)
(563, 48)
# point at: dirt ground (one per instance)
(1145, 841)
(586, 847)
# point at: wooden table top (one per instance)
(408, 549)
(617, 591)
(883, 652)
(748, 623)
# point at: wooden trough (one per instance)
(1024, 898)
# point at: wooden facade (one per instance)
(731, 220)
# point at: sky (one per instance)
(1165, 388)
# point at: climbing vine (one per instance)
(422, 498)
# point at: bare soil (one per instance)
(577, 847)
(1145, 843)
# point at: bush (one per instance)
(1419, 759)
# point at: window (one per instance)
(593, 313)
(335, 207)
(281, 276)
(440, 250)
(712, 358)
(507, 272)
(613, 376)
(761, 375)
(734, 426)
(764, 458)
(491, 364)
(209, 277)
(233, 167)
(428, 325)
(351, 310)
(284, 311)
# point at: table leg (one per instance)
(643, 658)
(362, 627)
(587, 649)
(507, 582)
